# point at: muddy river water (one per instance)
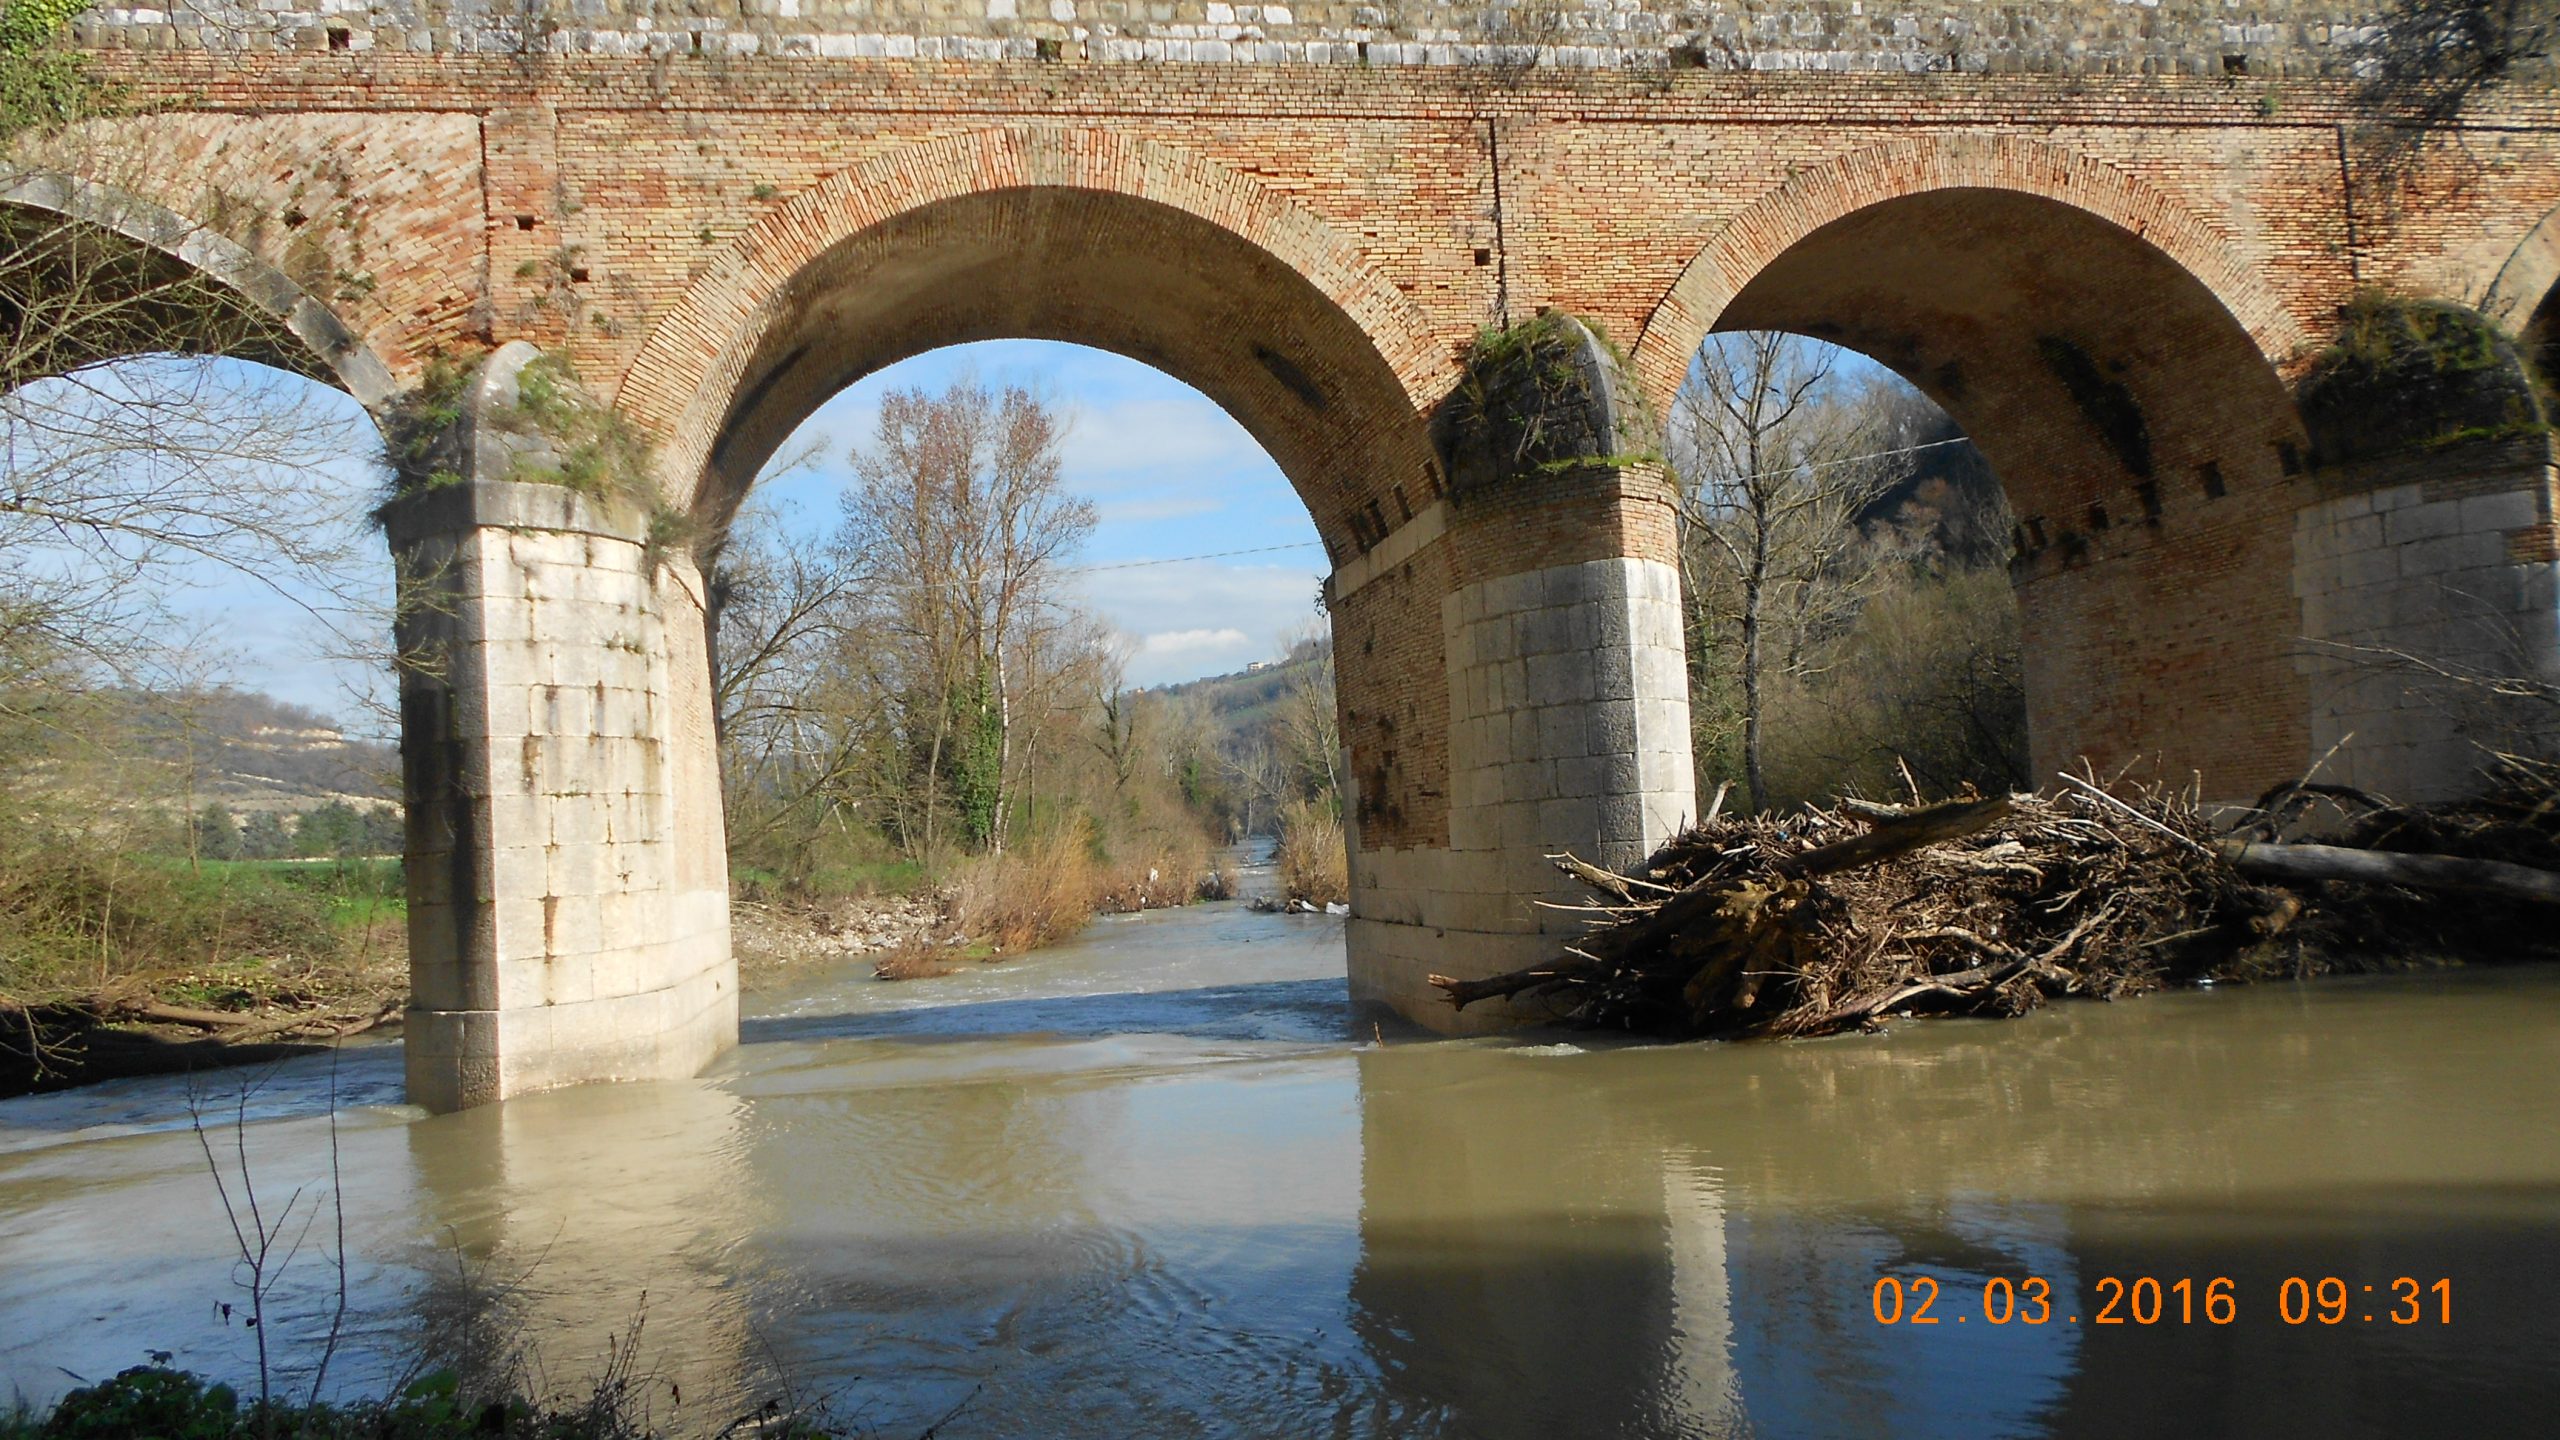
(1159, 1182)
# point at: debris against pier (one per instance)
(1832, 918)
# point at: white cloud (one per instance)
(1110, 445)
(1187, 642)
(1249, 607)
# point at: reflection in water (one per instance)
(1154, 1185)
(555, 1225)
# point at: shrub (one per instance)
(146, 1400)
(1220, 880)
(1312, 863)
(153, 1402)
(917, 957)
(1041, 891)
(76, 915)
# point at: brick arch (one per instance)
(2526, 290)
(1821, 194)
(330, 350)
(684, 384)
(2119, 369)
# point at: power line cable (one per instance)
(1185, 559)
(1855, 459)
(1316, 544)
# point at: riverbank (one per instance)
(247, 1010)
(170, 1022)
(116, 964)
(988, 909)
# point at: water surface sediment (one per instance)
(1160, 1181)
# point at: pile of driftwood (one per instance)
(1833, 918)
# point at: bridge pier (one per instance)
(2450, 560)
(568, 893)
(2428, 550)
(1562, 667)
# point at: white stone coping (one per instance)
(1403, 544)
(507, 505)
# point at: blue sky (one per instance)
(1170, 474)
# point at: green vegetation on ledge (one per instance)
(165, 1404)
(2409, 374)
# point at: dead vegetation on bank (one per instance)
(1831, 919)
(988, 909)
(125, 1029)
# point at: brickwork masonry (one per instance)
(2108, 237)
(2151, 37)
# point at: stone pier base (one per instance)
(1569, 730)
(2412, 570)
(568, 896)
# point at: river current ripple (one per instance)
(1162, 1182)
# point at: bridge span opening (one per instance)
(2148, 448)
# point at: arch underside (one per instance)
(122, 276)
(1112, 271)
(2541, 336)
(2146, 445)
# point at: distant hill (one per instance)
(1242, 703)
(1949, 498)
(251, 753)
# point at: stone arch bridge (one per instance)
(2113, 241)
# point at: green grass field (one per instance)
(849, 877)
(359, 893)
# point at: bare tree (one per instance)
(1260, 780)
(1309, 724)
(141, 455)
(1774, 462)
(1120, 730)
(800, 722)
(957, 523)
(125, 482)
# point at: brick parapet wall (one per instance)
(2052, 104)
(660, 177)
(2288, 38)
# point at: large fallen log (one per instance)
(2297, 863)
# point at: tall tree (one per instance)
(959, 523)
(1775, 459)
(801, 711)
(214, 835)
(1309, 724)
(1120, 732)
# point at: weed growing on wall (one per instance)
(2415, 374)
(1536, 397)
(43, 85)
(421, 430)
(593, 450)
